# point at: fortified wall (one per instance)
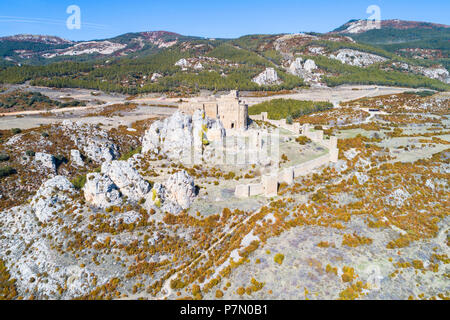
(269, 183)
(229, 109)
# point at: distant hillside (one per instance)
(161, 61)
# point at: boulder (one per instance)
(267, 77)
(127, 179)
(45, 160)
(76, 158)
(101, 191)
(180, 189)
(50, 197)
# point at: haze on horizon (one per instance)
(230, 19)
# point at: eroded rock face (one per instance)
(46, 160)
(101, 191)
(267, 77)
(50, 197)
(127, 179)
(180, 189)
(177, 135)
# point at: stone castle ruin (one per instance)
(229, 109)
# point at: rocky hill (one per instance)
(163, 61)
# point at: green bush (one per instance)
(283, 108)
(131, 153)
(4, 157)
(16, 130)
(30, 153)
(7, 171)
(79, 182)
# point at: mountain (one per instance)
(362, 26)
(38, 49)
(161, 61)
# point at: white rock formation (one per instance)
(76, 158)
(94, 142)
(45, 160)
(50, 198)
(439, 73)
(177, 135)
(267, 77)
(174, 195)
(182, 63)
(356, 58)
(155, 77)
(180, 189)
(305, 70)
(100, 191)
(127, 179)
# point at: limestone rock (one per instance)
(46, 160)
(50, 197)
(155, 77)
(356, 58)
(92, 141)
(178, 134)
(77, 159)
(101, 191)
(127, 179)
(180, 189)
(267, 77)
(304, 70)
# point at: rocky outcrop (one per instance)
(100, 191)
(127, 179)
(45, 160)
(76, 158)
(176, 194)
(356, 58)
(305, 70)
(155, 77)
(94, 142)
(180, 189)
(267, 78)
(177, 135)
(439, 73)
(50, 198)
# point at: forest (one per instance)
(288, 108)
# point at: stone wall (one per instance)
(229, 109)
(269, 184)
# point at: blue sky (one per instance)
(232, 18)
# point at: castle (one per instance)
(229, 109)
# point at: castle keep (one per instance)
(229, 109)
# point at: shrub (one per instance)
(7, 171)
(279, 258)
(16, 130)
(30, 153)
(4, 157)
(289, 120)
(79, 182)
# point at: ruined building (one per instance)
(229, 109)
